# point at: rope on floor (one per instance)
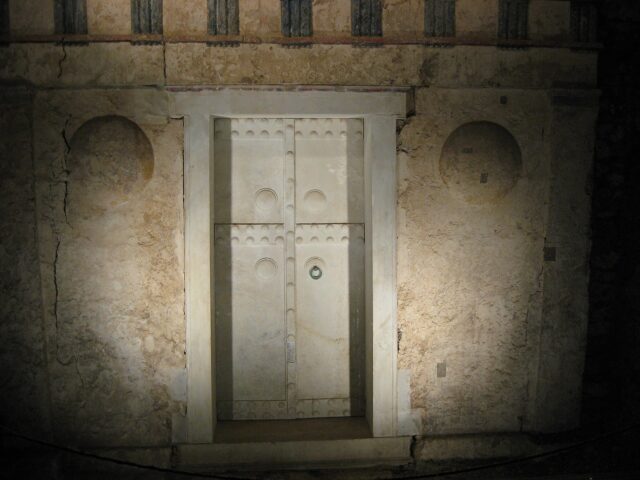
(448, 473)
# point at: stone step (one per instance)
(296, 454)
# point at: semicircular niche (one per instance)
(110, 160)
(480, 162)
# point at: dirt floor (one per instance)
(612, 457)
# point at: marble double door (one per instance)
(289, 246)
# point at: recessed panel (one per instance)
(112, 157)
(329, 170)
(249, 299)
(289, 284)
(330, 318)
(248, 170)
(481, 162)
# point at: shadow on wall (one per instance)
(24, 403)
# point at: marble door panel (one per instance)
(329, 170)
(289, 268)
(250, 328)
(248, 162)
(330, 319)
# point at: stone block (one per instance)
(274, 64)
(462, 66)
(468, 66)
(95, 64)
(474, 447)
(116, 64)
(307, 454)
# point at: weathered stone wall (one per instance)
(111, 251)
(109, 18)
(123, 64)
(469, 267)
(260, 19)
(492, 335)
(31, 17)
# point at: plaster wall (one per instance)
(470, 275)
(101, 315)
(31, 17)
(402, 16)
(331, 17)
(477, 18)
(112, 263)
(184, 17)
(122, 64)
(108, 18)
(260, 17)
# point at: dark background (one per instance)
(612, 372)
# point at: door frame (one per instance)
(379, 110)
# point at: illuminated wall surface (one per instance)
(492, 201)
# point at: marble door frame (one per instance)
(379, 108)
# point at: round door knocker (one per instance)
(315, 272)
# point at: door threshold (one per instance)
(252, 431)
